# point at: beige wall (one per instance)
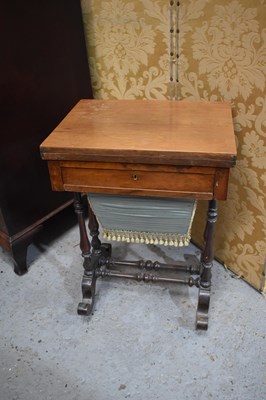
(222, 57)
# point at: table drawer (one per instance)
(140, 182)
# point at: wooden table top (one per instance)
(152, 131)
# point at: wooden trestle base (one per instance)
(98, 262)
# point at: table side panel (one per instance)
(56, 176)
(221, 183)
(133, 157)
(138, 166)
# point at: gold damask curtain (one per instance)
(128, 47)
(221, 56)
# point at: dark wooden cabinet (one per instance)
(43, 73)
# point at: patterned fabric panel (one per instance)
(129, 48)
(151, 218)
(217, 53)
(222, 57)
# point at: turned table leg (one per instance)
(206, 265)
(94, 230)
(91, 252)
(80, 211)
(88, 280)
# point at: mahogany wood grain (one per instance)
(139, 179)
(193, 133)
(91, 179)
(134, 166)
(147, 148)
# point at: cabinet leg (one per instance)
(206, 265)
(19, 248)
(19, 255)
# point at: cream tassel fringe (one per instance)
(163, 239)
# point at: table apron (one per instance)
(140, 179)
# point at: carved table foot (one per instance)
(206, 267)
(203, 309)
(91, 262)
(88, 293)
